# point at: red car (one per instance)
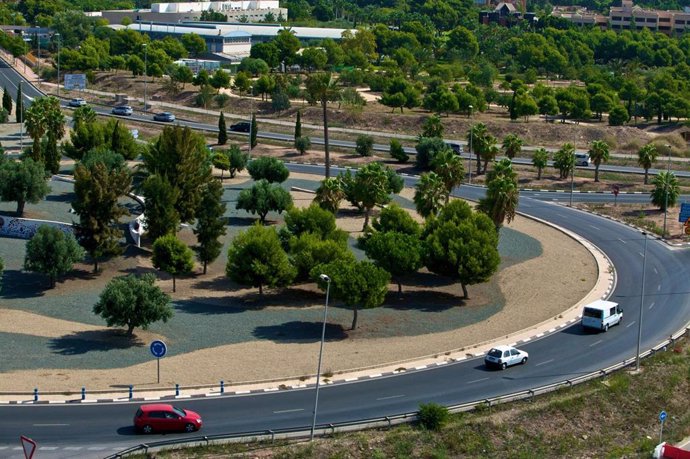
(165, 418)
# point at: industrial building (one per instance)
(243, 10)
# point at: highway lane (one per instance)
(565, 354)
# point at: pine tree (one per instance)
(20, 105)
(222, 130)
(253, 133)
(298, 125)
(115, 140)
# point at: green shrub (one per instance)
(365, 145)
(432, 416)
(398, 152)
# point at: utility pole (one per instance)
(57, 35)
(145, 45)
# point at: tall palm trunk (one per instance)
(354, 318)
(324, 105)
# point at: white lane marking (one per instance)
(73, 448)
(47, 448)
(596, 342)
(288, 411)
(476, 380)
(596, 228)
(390, 397)
(562, 215)
(544, 362)
(658, 287)
(622, 241)
(630, 324)
(655, 271)
(651, 305)
(97, 448)
(50, 425)
(641, 254)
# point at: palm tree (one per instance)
(321, 87)
(448, 166)
(512, 145)
(598, 153)
(329, 194)
(540, 160)
(502, 193)
(564, 160)
(666, 190)
(475, 139)
(36, 126)
(430, 194)
(490, 151)
(646, 157)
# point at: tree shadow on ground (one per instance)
(418, 300)
(94, 341)
(18, 284)
(300, 332)
(428, 279)
(242, 222)
(63, 197)
(285, 298)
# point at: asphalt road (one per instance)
(97, 430)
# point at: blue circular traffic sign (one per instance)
(662, 416)
(158, 348)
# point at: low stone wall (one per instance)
(24, 228)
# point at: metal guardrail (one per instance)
(389, 421)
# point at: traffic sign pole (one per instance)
(662, 418)
(158, 349)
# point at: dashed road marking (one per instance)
(544, 362)
(390, 397)
(630, 324)
(289, 411)
(476, 381)
(596, 342)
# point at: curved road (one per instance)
(85, 430)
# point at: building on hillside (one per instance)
(628, 17)
(507, 13)
(229, 41)
(243, 10)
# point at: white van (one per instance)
(601, 315)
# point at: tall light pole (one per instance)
(251, 118)
(572, 184)
(21, 119)
(639, 325)
(38, 61)
(145, 45)
(668, 176)
(57, 35)
(469, 161)
(326, 279)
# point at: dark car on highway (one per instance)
(161, 417)
(164, 116)
(242, 126)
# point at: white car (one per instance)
(78, 102)
(505, 356)
(582, 159)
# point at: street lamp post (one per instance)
(639, 325)
(145, 71)
(572, 184)
(326, 279)
(38, 60)
(21, 120)
(469, 161)
(668, 174)
(57, 35)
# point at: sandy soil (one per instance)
(560, 286)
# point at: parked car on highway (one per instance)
(160, 417)
(505, 356)
(164, 116)
(242, 126)
(582, 159)
(125, 110)
(77, 102)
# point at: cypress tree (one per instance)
(6, 100)
(222, 130)
(298, 125)
(20, 105)
(253, 133)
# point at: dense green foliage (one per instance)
(210, 223)
(172, 256)
(133, 301)
(22, 181)
(52, 252)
